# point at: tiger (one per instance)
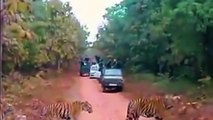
(149, 107)
(65, 110)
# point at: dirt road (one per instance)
(106, 106)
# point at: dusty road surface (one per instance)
(106, 106)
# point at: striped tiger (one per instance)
(65, 110)
(148, 107)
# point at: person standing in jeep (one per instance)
(109, 63)
(114, 63)
(101, 66)
(97, 58)
(84, 67)
(117, 64)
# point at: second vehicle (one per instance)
(94, 71)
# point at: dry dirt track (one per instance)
(106, 106)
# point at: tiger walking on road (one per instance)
(64, 110)
(149, 107)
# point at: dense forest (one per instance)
(41, 39)
(40, 34)
(171, 37)
(160, 36)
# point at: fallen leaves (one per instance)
(6, 108)
(187, 110)
(27, 93)
(18, 92)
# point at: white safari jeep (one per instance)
(94, 71)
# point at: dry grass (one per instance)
(185, 111)
(21, 93)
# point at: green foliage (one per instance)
(180, 86)
(39, 33)
(173, 33)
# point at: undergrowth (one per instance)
(20, 92)
(177, 86)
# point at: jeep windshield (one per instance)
(112, 72)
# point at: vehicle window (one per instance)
(113, 73)
(94, 67)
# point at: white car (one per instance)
(94, 71)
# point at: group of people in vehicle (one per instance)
(110, 63)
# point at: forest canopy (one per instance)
(166, 36)
(39, 34)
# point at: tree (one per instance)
(173, 34)
(40, 33)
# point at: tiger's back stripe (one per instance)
(146, 107)
(65, 110)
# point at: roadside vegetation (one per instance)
(167, 44)
(41, 39)
(171, 40)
